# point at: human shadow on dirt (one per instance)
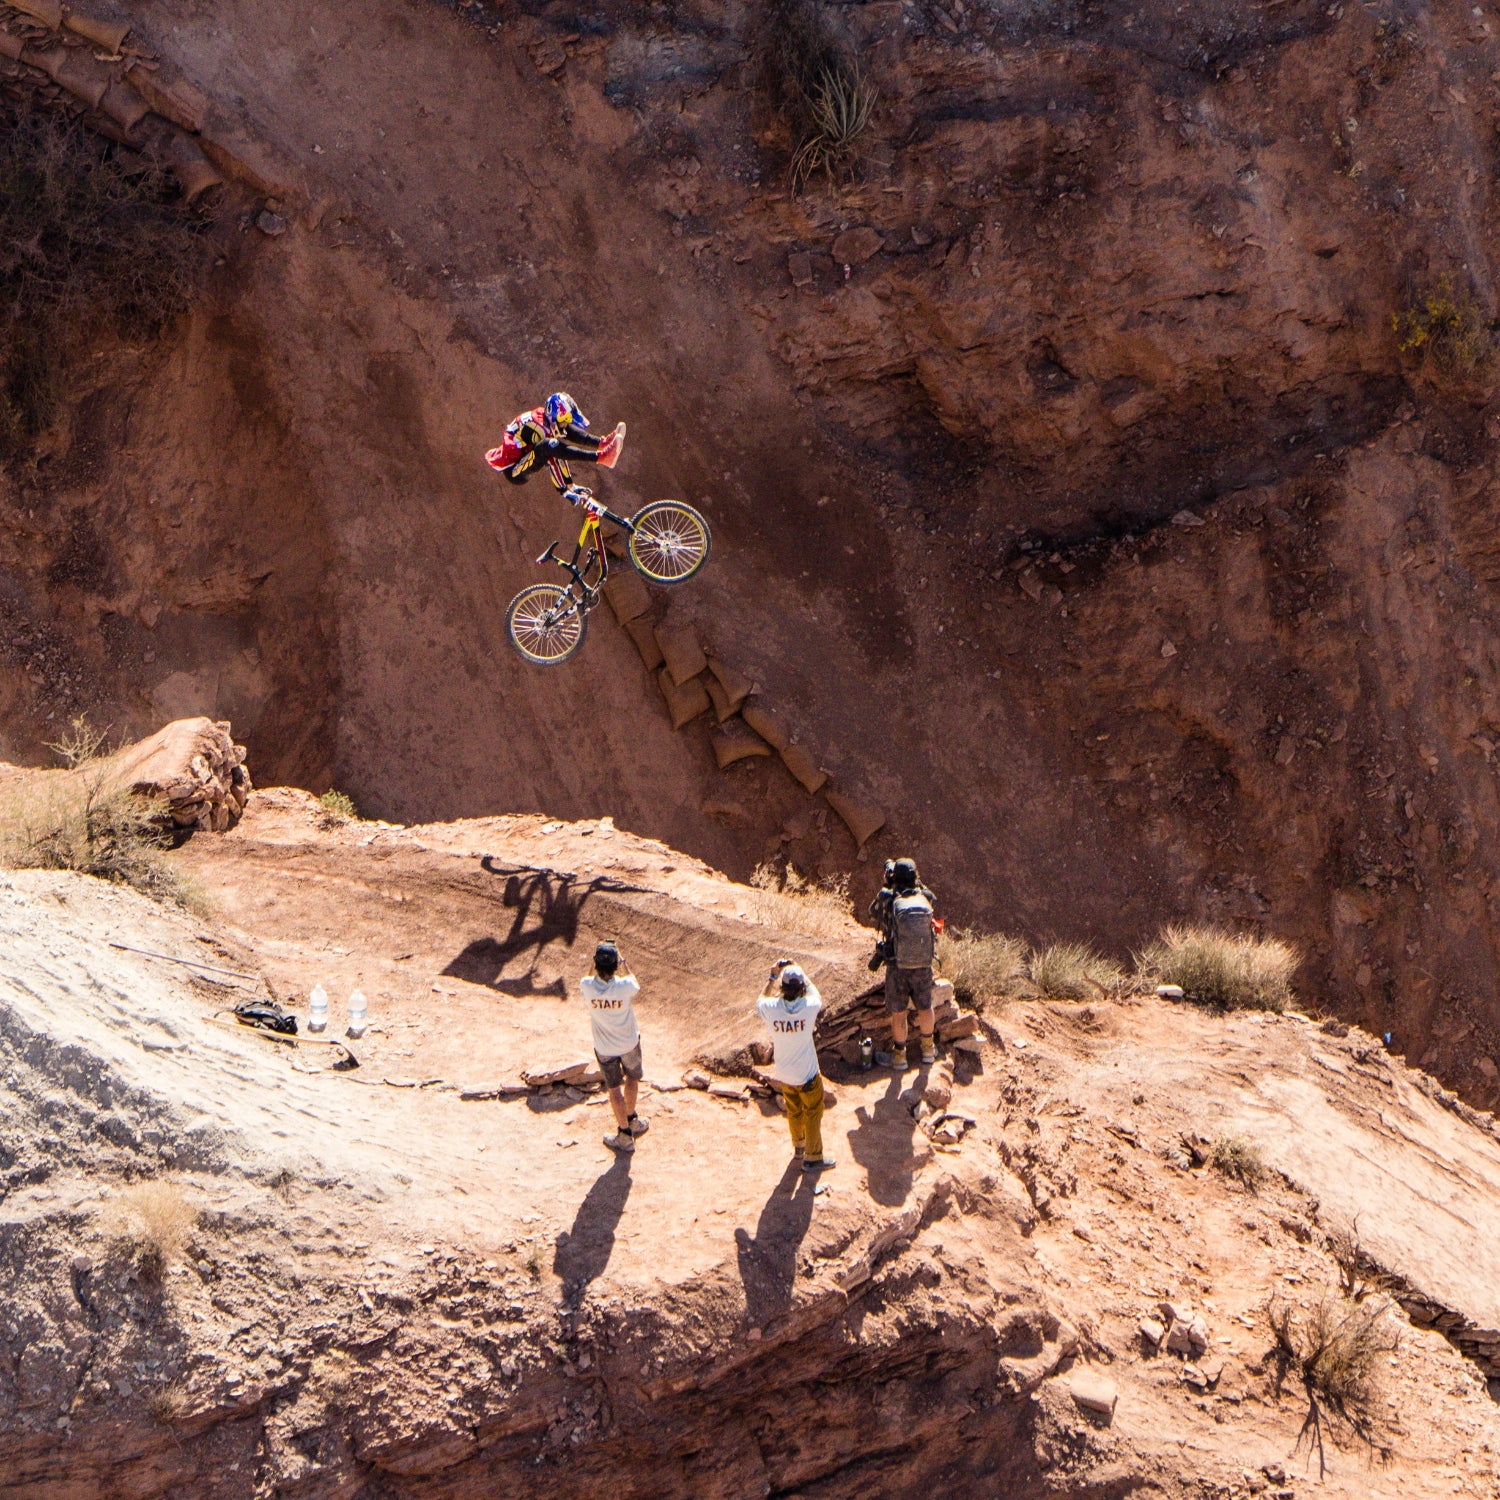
(583, 1251)
(882, 1143)
(548, 907)
(768, 1262)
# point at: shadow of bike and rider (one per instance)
(547, 908)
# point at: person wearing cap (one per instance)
(610, 990)
(904, 910)
(789, 1006)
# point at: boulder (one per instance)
(855, 246)
(736, 740)
(1189, 1337)
(1094, 1392)
(684, 703)
(798, 759)
(938, 1094)
(1152, 1331)
(681, 651)
(193, 765)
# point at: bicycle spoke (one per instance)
(670, 542)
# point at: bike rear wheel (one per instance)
(670, 542)
(545, 624)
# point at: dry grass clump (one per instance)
(92, 240)
(980, 964)
(1223, 968)
(154, 1219)
(79, 822)
(1240, 1159)
(1447, 328)
(785, 898)
(338, 808)
(1072, 971)
(1334, 1349)
(171, 1403)
(839, 111)
(817, 87)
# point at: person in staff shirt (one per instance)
(789, 1007)
(610, 990)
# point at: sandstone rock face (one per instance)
(195, 767)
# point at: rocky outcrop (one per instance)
(194, 766)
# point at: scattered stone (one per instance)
(1169, 991)
(1189, 1337)
(1187, 518)
(83, 1264)
(574, 1073)
(1168, 650)
(270, 224)
(1094, 1392)
(738, 1092)
(939, 1091)
(973, 1045)
(507, 1090)
(855, 246)
(1152, 1331)
(696, 1078)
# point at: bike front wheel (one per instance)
(670, 541)
(545, 624)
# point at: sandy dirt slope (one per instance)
(395, 1291)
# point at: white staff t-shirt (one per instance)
(611, 1012)
(795, 1056)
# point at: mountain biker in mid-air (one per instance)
(552, 434)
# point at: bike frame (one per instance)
(596, 555)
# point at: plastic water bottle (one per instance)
(866, 1054)
(358, 1014)
(318, 1018)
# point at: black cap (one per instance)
(606, 957)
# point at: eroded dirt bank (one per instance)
(1103, 270)
(394, 1290)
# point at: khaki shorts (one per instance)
(627, 1065)
(904, 987)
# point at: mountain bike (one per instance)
(667, 542)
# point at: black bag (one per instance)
(267, 1015)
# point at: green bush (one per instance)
(338, 807)
(92, 240)
(1216, 967)
(1240, 1159)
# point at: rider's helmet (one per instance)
(904, 875)
(562, 413)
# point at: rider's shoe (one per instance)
(610, 448)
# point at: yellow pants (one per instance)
(804, 1116)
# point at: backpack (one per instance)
(266, 1015)
(911, 928)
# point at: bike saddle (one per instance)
(549, 555)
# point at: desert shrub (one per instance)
(338, 807)
(92, 240)
(171, 1403)
(839, 113)
(154, 1220)
(1222, 968)
(79, 822)
(1334, 1349)
(1238, 1158)
(785, 898)
(817, 88)
(1072, 971)
(980, 964)
(1446, 327)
